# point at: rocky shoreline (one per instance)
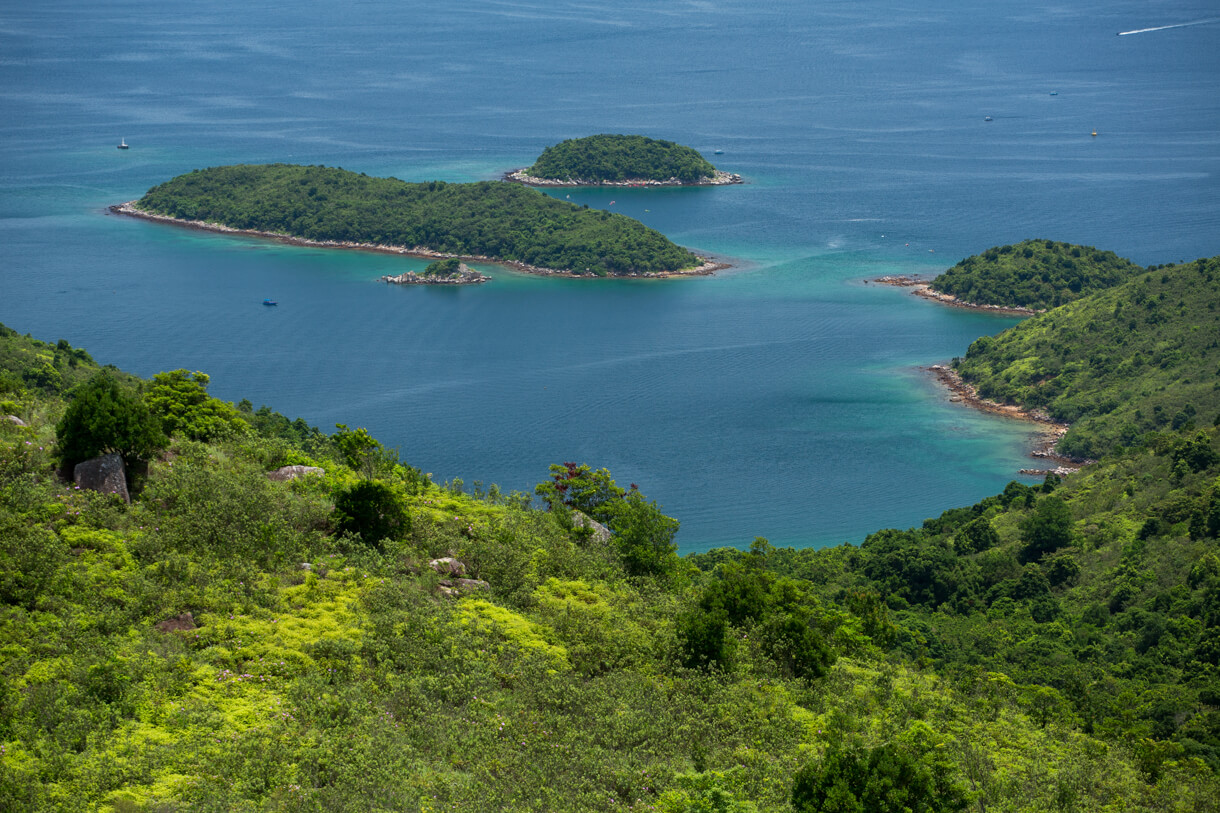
(721, 178)
(1050, 430)
(922, 287)
(129, 209)
(465, 276)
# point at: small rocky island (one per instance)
(451, 271)
(621, 160)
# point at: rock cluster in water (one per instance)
(465, 275)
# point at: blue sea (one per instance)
(785, 398)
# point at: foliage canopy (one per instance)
(104, 417)
(1035, 274)
(620, 158)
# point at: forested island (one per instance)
(491, 221)
(1033, 275)
(276, 617)
(621, 160)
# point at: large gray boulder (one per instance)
(448, 566)
(104, 474)
(600, 533)
(293, 472)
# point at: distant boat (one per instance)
(1054, 93)
(270, 302)
(1095, 134)
(986, 118)
(123, 144)
(718, 152)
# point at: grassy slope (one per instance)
(357, 685)
(493, 219)
(1035, 274)
(1140, 357)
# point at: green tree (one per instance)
(105, 417)
(180, 399)
(373, 511)
(885, 779)
(1047, 529)
(363, 452)
(644, 536)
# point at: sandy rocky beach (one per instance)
(129, 209)
(719, 179)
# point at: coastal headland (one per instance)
(922, 287)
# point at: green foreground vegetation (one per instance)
(1054, 647)
(1034, 274)
(490, 219)
(599, 158)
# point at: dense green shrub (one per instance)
(104, 417)
(372, 511)
(884, 779)
(180, 399)
(1047, 529)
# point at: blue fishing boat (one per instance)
(270, 302)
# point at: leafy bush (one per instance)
(180, 399)
(1047, 529)
(884, 779)
(372, 511)
(105, 417)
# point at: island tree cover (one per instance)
(491, 219)
(1140, 357)
(1035, 274)
(620, 158)
(1053, 647)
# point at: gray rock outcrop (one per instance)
(448, 566)
(293, 472)
(600, 532)
(104, 474)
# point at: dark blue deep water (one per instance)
(782, 399)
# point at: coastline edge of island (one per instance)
(129, 209)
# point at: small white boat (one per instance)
(123, 144)
(717, 152)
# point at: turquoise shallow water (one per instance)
(781, 399)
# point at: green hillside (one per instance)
(598, 158)
(496, 220)
(1034, 274)
(1051, 648)
(1140, 357)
